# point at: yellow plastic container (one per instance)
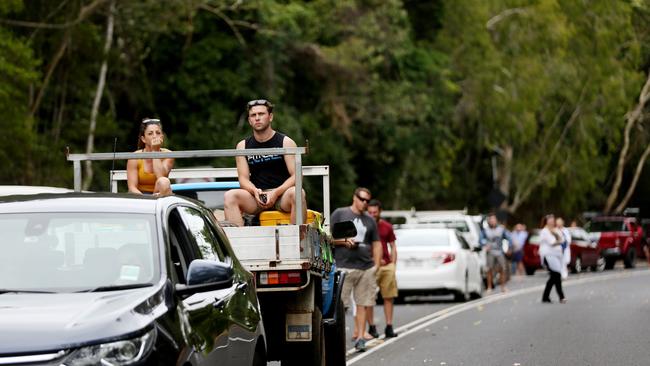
(273, 218)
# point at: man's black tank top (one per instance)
(267, 171)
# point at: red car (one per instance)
(618, 237)
(584, 252)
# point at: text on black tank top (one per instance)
(267, 171)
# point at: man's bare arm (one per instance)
(376, 253)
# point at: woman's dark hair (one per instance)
(545, 220)
(143, 126)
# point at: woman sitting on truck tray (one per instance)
(150, 176)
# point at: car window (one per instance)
(459, 225)
(64, 252)
(202, 234)
(606, 226)
(462, 241)
(422, 237)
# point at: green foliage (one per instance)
(408, 98)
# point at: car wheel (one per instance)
(530, 271)
(335, 339)
(600, 265)
(463, 295)
(609, 263)
(259, 358)
(577, 266)
(630, 258)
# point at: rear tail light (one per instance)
(279, 278)
(444, 257)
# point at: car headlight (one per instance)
(124, 352)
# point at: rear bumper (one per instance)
(444, 279)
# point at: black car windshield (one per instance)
(604, 226)
(66, 252)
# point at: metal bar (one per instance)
(307, 171)
(187, 154)
(326, 197)
(298, 185)
(76, 166)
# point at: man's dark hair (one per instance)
(375, 203)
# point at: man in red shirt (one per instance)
(386, 272)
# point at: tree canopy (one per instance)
(417, 101)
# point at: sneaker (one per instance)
(360, 345)
(372, 330)
(389, 332)
(548, 301)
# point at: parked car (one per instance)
(467, 227)
(122, 279)
(436, 261)
(618, 237)
(531, 258)
(584, 252)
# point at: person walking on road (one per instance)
(492, 239)
(150, 176)
(550, 249)
(386, 272)
(266, 181)
(359, 258)
(518, 236)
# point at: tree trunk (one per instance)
(505, 175)
(98, 96)
(635, 180)
(632, 118)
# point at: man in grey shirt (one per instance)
(492, 239)
(359, 258)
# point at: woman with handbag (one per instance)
(550, 251)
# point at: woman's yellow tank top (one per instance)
(146, 181)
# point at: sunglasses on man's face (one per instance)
(363, 199)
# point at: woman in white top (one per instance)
(550, 251)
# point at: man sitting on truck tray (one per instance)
(359, 258)
(266, 181)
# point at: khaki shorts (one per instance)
(386, 281)
(495, 261)
(362, 284)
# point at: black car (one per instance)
(109, 279)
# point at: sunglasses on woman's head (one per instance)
(150, 120)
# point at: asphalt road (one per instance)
(605, 322)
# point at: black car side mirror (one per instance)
(344, 229)
(206, 275)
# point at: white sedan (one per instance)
(436, 261)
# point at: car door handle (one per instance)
(242, 286)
